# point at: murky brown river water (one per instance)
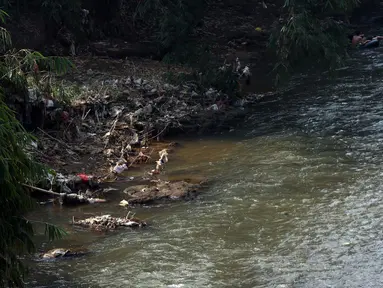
(296, 201)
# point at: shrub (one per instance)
(309, 31)
(17, 167)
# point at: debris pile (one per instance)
(113, 121)
(72, 190)
(78, 199)
(122, 127)
(107, 222)
(63, 253)
(161, 191)
(73, 183)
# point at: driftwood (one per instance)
(107, 222)
(43, 190)
(69, 198)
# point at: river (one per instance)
(295, 200)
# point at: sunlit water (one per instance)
(296, 201)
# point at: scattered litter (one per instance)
(163, 156)
(160, 162)
(119, 168)
(84, 177)
(49, 103)
(246, 71)
(124, 203)
(117, 118)
(213, 107)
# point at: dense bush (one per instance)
(172, 21)
(307, 28)
(310, 31)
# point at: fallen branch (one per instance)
(160, 132)
(84, 116)
(111, 130)
(98, 119)
(43, 190)
(69, 199)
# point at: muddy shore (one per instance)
(115, 129)
(109, 142)
(124, 110)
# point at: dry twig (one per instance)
(55, 139)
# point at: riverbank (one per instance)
(120, 108)
(109, 132)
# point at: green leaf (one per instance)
(3, 15)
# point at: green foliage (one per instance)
(17, 167)
(165, 22)
(210, 76)
(58, 12)
(64, 93)
(171, 20)
(17, 67)
(310, 32)
(188, 53)
(206, 70)
(63, 12)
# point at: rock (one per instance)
(148, 109)
(162, 190)
(210, 92)
(240, 103)
(152, 92)
(126, 92)
(138, 112)
(132, 190)
(213, 107)
(138, 81)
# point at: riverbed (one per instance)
(295, 200)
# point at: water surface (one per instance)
(295, 201)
